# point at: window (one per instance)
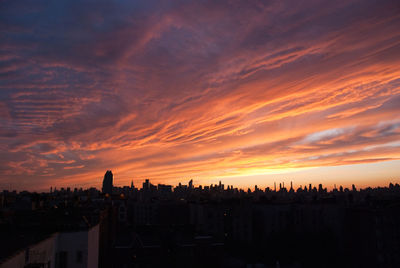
(27, 255)
(61, 259)
(79, 256)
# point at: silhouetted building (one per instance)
(210, 226)
(108, 182)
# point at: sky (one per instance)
(247, 92)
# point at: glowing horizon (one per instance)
(243, 92)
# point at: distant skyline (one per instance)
(247, 92)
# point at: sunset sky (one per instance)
(247, 92)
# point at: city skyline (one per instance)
(193, 226)
(249, 93)
(138, 184)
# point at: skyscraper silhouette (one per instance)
(108, 182)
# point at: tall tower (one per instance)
(108, 182)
